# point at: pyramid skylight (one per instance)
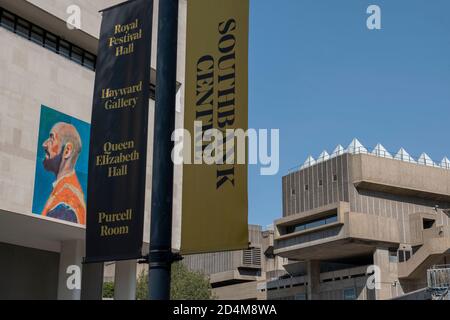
(355, 147)
(381, 151)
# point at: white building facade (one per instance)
(45, 64)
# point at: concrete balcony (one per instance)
(232, 276)
(334, 232)
(399, 177)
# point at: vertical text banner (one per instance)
(118, 145)
(214, 200)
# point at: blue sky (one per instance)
(320, 76)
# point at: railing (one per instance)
(439, 277)
(439, 282)
(275, 274)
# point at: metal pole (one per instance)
(160, 257)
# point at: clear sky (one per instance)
(321, 77)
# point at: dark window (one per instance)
(401, 256)
(331, 219)
(23, 28)
(407, 255)
(312, 224)
(64, 48)
(335, 177)
(428, 223)
(350, 294)
(306, 187)
(89, 60)
(37, 35)
(77, 55)
(320, 183)
(315, 224)
(51, 42)
(7, 20)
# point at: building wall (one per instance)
(334, 175)
(397, 207)
(33, 76)
(31, 274)
(242, 291)
(90, 22)
(382, 203)
(216, 262)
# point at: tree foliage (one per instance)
(186, 285)
(108, 290)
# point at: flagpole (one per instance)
(160, 256)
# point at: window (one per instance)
(44, 38)
(350, 294)
(401, 256)
(407, 255)
(7, 20)
(51, 42)
(23, 28)
(428, 224)
(64, 48)
(306, 187)
(404, 255)
(89, 61)
(77, 55)
(312, 224)
(320, 183)
(335, 177)
(331, 219)
(393, 257)
(37, 35)
(300, 296)
(315, 224)
(293, 192)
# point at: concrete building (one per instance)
(356, 211)
(237, 275)
(44, 63)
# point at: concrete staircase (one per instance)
(436, 242)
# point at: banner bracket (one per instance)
(155, 257)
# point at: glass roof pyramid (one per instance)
(425, 160)
(356, 147)
(308, 163)
(445, 163)
(324, 156)
(338, 151)
(402, 155)
(381, 151)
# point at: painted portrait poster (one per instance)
(61, 167)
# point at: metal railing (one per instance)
(438, 279)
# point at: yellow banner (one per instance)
(214, 200)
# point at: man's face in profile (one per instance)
(53, 151)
